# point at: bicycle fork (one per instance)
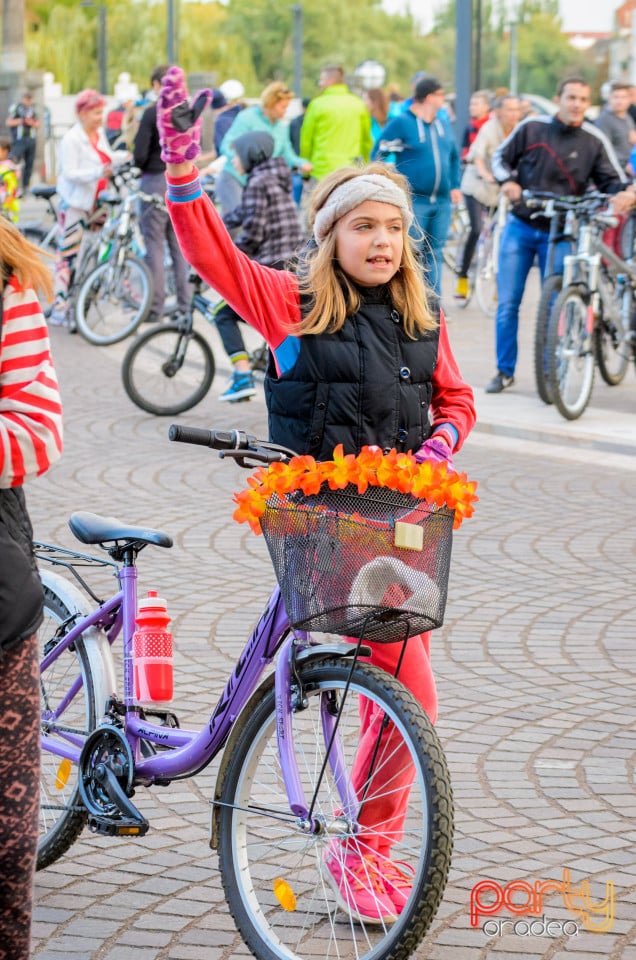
(290, 698)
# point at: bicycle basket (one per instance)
(341, 568)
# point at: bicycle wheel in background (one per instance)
(69, 707)
(113, 300)
(549, 291)
(259, 358)
(45, 240)
(486, 274)
(168, 370)
(611, 333)
(456, 240)
(570, 354)
(280, 893)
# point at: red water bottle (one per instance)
(152, 650)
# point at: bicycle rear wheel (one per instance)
(168, 370)
(549, 291)
(69, 711)
(570, 355)
(611, 335)
(113, 300)
(274, 874)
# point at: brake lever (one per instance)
(241, 457)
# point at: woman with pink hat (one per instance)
(85, 162)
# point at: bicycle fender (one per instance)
(98, 649)
(323, 651)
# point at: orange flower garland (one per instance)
(429, 481)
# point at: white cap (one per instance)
(232, 89)
(152, 602)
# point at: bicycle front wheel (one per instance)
(69, 711)
(168, 370)
(113, 300)
(275, 876)
(486, 275)
(570, 355)
(549, 291)
(456, 239)
(611, 335)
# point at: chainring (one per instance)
(108, 746)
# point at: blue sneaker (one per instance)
(242, 387)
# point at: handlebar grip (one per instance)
(217, 439)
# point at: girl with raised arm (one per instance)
(360, 356)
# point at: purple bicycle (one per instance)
(289, 795)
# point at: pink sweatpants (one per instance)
(383, 814)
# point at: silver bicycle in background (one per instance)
(592, 321)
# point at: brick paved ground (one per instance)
(535, 665)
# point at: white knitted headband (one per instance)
(369, 186)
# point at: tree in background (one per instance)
(251, 40)
(333, 32)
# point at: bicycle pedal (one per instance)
(121, 827)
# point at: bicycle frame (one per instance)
(203, 305)
(189, 751)
(591, 251)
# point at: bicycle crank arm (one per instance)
(131, 823)
(106, 778)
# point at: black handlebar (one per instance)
(217, 439)
(236, 444)
(542, 198)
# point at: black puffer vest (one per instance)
(369, 383)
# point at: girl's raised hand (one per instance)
(178, 120)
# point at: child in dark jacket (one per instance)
(269, 232)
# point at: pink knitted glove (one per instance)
(436, 450)
(178, 120)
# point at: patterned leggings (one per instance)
(19, 795)
(71, 227)
(383, 816)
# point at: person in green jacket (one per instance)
(336, 130)
(266, 117)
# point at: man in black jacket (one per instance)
(156, 227)
(561, 154)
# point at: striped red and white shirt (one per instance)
(30, 404)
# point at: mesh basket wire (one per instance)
(339, 568)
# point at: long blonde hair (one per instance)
(333, 295)
(23, 259)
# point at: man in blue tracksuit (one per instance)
(426, 154)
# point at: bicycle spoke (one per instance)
(258, 856)
(570, 352)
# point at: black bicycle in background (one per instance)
(170, 368)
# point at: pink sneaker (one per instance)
(357, 884)
(398, 880)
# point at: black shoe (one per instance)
(499, 382)
(153, 317)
